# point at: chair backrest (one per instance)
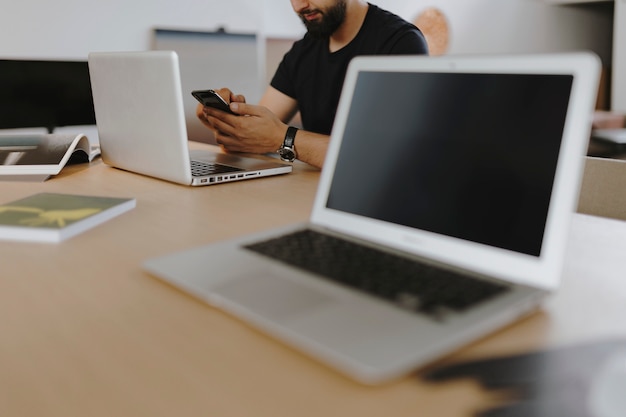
(436, 29)
(603, 190)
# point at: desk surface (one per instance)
(85, 332)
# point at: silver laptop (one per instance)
(141, 122)
(442, 214)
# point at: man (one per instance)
(310, 78)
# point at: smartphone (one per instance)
(212, 99)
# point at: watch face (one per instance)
(287, 154)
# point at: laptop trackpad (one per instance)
(272, 297)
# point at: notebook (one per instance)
(441, 215)
(140, 117)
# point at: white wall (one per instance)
(500, 26)
(73, 28)
(70, 29)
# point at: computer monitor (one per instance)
(45, 93)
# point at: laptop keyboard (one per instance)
(416, 286)
(201, 169)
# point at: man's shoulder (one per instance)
(387, 19)
(392, 34)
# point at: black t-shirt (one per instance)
(314, 76)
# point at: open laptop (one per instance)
(141, 122)
(442, 213)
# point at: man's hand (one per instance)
(255, 129)
(228, 96)
(261, 128)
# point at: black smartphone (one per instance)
(212, 99)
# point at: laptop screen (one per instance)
(471, 156)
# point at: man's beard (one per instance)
(330, 21)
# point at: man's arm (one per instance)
(283, 106)
(310, 147)
(263, 127)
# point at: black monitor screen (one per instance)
(471, 156)
(39, 93)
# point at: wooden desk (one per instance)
(85, 332)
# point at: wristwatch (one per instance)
(287, 151)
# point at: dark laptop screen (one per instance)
(472, 156)
(45, 93)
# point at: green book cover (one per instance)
(54, 217)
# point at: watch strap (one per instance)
(290, 137)
(287, 150)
